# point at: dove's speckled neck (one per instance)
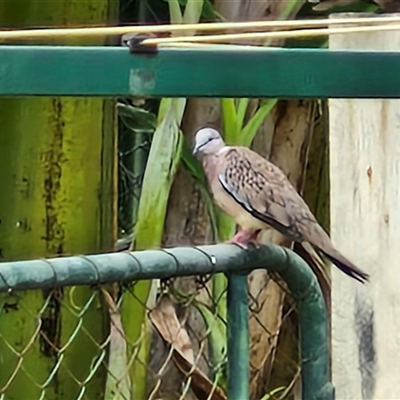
(209, 162)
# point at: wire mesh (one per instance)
(135, 129)
(90, 342)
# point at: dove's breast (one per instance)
(233, 208)
(225, 201)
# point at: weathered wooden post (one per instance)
(365, 225)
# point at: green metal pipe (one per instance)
(270, 72)
(238, 337)
(126, 267)
(313, 327)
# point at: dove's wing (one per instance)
(263, 190)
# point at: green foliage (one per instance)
(236, 131)
(274, 392)
(207, 9)
(250, 130)
(136, 119)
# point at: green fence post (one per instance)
(238, 338)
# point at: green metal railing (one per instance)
(125, 267)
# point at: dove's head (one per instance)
(207, 141)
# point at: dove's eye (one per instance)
(206, 142)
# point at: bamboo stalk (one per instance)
(48, 33)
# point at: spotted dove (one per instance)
(258, 195)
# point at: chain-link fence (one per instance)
(135, 129)
(148, 339)
(71, 343)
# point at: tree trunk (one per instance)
(58, 180)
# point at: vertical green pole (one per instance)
(238, 338)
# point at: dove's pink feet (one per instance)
(244, 237)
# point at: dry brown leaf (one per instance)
(165, 320)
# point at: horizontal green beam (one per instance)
(226, 72)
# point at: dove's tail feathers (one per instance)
(345, 265)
